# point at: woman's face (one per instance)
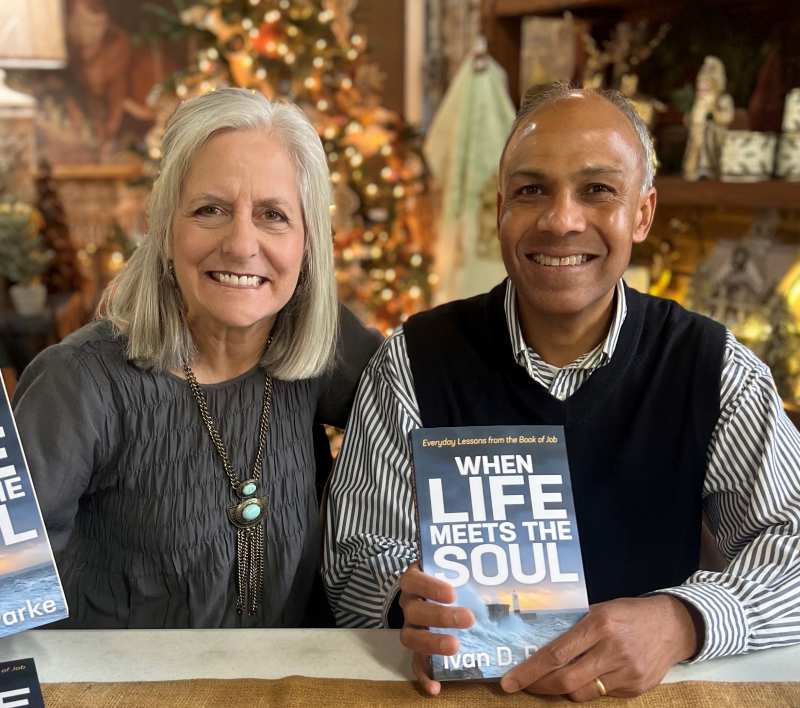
(237, 233)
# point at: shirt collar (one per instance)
(606, 348)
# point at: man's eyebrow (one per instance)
(600, 170)
(591, 171)
(527, 173)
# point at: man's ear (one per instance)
(644, 215)
(499, 207)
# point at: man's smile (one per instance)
(559, 261)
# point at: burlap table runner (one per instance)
(342, 693)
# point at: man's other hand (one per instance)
(628, 644)
(419, 598)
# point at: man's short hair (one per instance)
(544, 94)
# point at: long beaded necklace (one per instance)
(248, 514)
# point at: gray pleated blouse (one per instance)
(133, 493)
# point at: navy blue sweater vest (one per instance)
(637, 431)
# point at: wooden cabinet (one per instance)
(773, 21)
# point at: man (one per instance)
(664, 413)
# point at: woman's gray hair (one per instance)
(143, 301)
(539, 96)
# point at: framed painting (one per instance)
(97, 109)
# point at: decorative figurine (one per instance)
(662, 267)
(626, 50)
(735, 283)
(791, 111)
(645, 106)
(788, 157)
(708, 120)
(739, 288)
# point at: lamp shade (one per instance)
(32, 34)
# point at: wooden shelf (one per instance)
(518, 8)
(774, 194)
(107, 171)
(514, 8)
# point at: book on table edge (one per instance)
(30, 590)
(496, 518)
(19, 684)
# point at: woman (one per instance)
(170, 442)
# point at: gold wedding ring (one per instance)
(600, 687)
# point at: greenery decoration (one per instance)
(23, 256)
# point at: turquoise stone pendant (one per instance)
(248, 512)
(247, 488)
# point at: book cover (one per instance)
(19, 685)
(30, 589)
(496, 519)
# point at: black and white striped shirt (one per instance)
(751, 494)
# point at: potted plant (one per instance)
(23, 257)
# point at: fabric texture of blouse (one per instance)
(134, 495)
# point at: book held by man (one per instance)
(496, 519)
(30, 589)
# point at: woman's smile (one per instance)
(231, 279)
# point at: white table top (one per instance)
(170, 654)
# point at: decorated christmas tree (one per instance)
(308, 51)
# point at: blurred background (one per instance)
(413, 100)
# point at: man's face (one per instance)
(570, 206)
